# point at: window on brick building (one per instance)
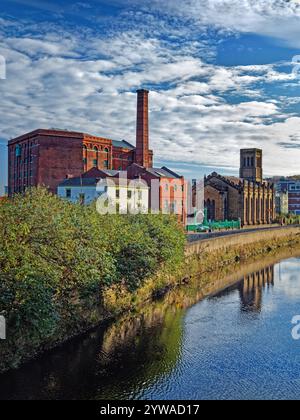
(18, 151)
(95, 162)
(106, 164)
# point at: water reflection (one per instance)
(252, 286)
(235, 344)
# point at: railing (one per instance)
(210, 226)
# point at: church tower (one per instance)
(251, 165)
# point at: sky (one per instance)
(223, 75)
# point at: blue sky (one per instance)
(221, 76)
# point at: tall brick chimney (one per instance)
(142, 129)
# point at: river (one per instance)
(199, 342)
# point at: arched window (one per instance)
(95, 160)
(226, 209)
(85, 153)
(208, 206)
(213, 210)
(106, 158)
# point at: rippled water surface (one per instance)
(236, 344)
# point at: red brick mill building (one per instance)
(48, 157)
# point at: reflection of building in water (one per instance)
(252, 286)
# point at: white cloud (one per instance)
(50, 83)
(279, 19)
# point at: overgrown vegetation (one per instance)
(58, 261)
(289, 219)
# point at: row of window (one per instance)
(174, 206)
(130, 194)
(97, 149)
(23, 149)
(96, 163)
(176, 187)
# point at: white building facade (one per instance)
(112, 195)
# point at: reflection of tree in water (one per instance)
(130, 355)
(138, 351)
(111, 362)
(251, 289)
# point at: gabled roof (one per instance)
(233, 182)
(217, 187)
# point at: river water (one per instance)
(235, 344)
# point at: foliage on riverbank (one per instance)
(64, 268)
(58, 261)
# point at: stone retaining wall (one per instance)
(247, 238)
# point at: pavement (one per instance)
(192, 237)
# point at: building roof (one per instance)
(220, 188)
(79, 182)
(71, 134)
(123, 144)
(93, 182)
(163, 172)
(234, 179)
(99, 173)
(233, 182)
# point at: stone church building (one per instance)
(248, 198)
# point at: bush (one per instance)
(56, 259)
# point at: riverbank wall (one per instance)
(228, 254)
